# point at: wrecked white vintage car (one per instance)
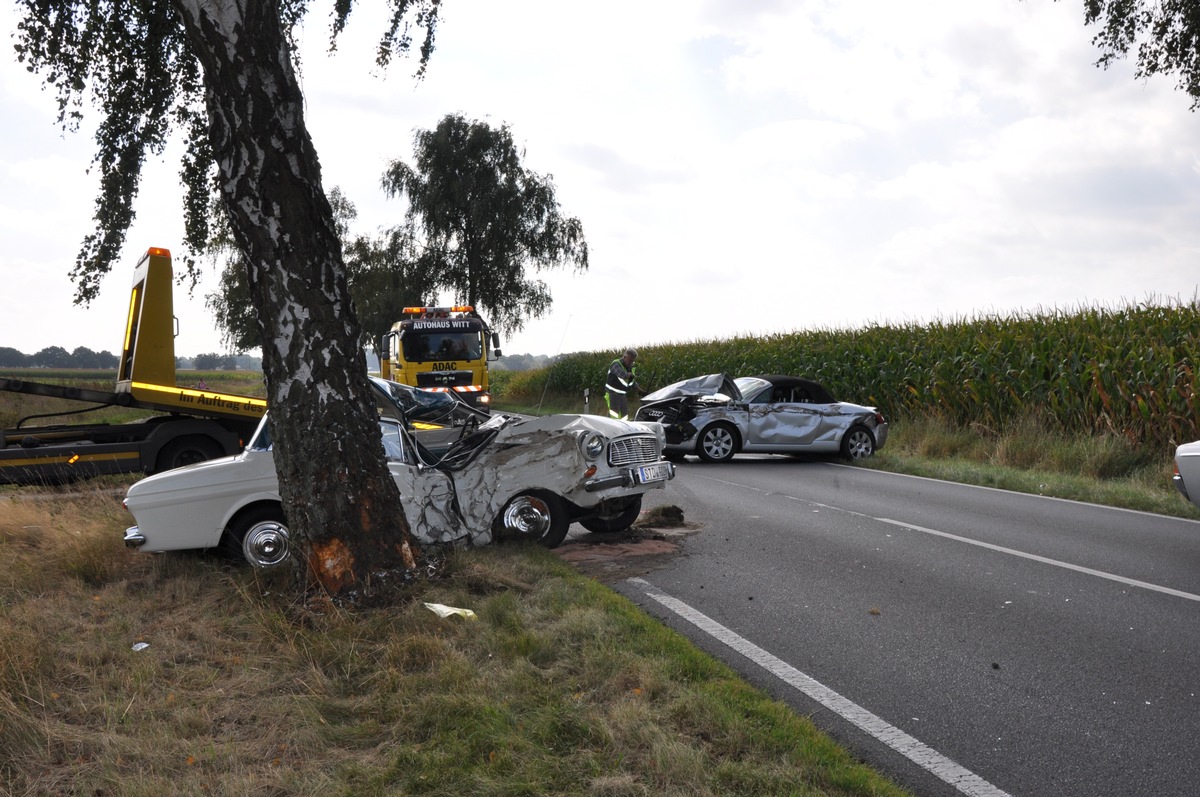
(504, 479)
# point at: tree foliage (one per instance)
(1164, 33)
(387, 273)
(135, 61)
(484, 218)
(476, 219)
(11, 358)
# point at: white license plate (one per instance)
(653, 473)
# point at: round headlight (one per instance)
(592, 445)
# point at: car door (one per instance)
(781, 421)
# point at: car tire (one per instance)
(537, 516)
(673, 456)
(858, 443)
(186, 451)
(717, 443)
(609, 524)
(259, 536)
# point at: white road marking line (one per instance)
(1046, 560)
(1132, 582)
(911, 748)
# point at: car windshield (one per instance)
(261, 439)
(417, 402)
(418, 405)
(394, 446)
(753, 389)
(422, 347)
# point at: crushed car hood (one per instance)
(710, 385)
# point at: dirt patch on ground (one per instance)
(653, 540)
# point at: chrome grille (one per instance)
(633, 450)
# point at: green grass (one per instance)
(560, 686)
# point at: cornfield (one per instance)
(1129, 371)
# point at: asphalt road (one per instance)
(963, 640)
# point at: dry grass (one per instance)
(559, 687)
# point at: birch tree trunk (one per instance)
(343, 508)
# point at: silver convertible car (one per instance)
(506, 478)
(715, 417)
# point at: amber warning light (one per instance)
(462, 308)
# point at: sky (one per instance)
(739, 169)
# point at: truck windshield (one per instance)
(422, 347)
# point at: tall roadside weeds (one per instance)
(131, 674)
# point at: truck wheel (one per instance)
(622, 520)
(187, 451)
(537, 516)
(260, 536)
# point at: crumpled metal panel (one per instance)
(538, 454)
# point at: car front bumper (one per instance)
(651, 475)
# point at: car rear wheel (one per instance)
(858, 443)
(620, 521)
(717, 443)
(260, 536)
(537, 516)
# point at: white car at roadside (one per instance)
(1187, 471)
(506, 478)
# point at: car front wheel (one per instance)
(858, 444)
(717, 443)
(260, 536)
(537, 516)
(622, 520)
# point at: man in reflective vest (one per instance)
(622, 379)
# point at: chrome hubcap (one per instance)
(527, 515)
(266, 544)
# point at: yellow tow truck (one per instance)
(443, 349)
(193, 424)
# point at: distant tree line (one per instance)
(58, 357)
(83, 357)
(220, 362)
(521, 362)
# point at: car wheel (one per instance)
(537, 516)
(673, 456)
(717, 443)
(622, 520)
(858, 443)
(186, 451)
(260, 536)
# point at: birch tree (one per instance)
(222, 73)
